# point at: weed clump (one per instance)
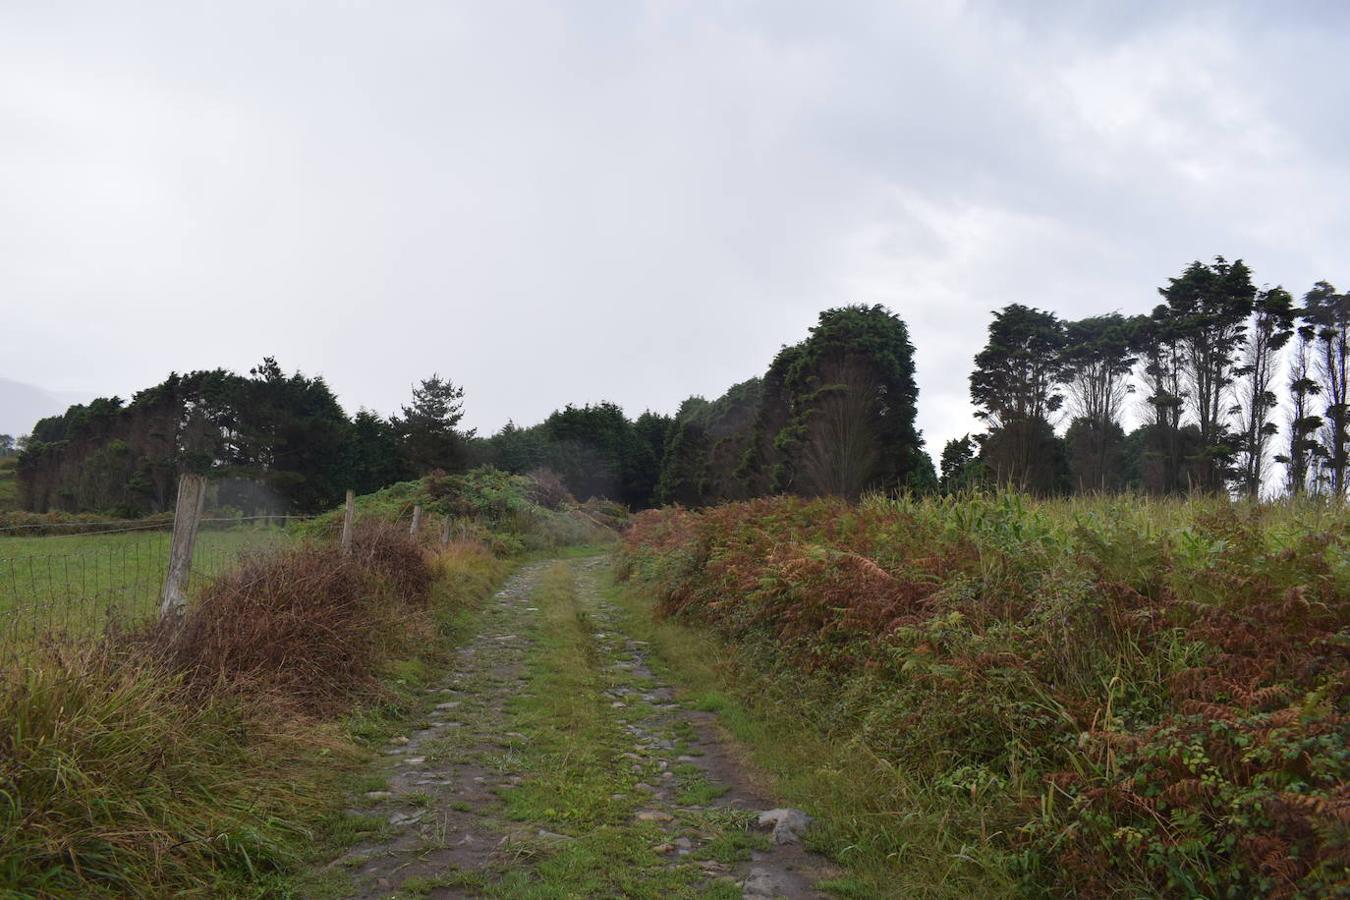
(113, 782)
(305, 624)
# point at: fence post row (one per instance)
(417, 520)
(186, 519)
(347, 516)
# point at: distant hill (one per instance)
(21, 405)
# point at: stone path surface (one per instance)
(676, 780)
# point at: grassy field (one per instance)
(1113, 697)
(79, 583)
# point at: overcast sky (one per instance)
(554, 202)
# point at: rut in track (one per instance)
(479, 801)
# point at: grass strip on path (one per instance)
(579, 791)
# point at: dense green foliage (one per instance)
(837, 414)
(9, 484)
(274, 442)
(1104, 698)
(833, 415)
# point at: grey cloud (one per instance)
(556, 203)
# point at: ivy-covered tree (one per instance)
(850, 401)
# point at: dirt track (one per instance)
(679, 818)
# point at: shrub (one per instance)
(509, 513)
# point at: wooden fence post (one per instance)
(186, 519)
(416, 522)
(348, 514)
(445, 533)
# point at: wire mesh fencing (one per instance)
(82, 584)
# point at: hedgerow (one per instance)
(1141, 696)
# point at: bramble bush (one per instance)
(1140, 696)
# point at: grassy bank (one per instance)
(512, 514)
(1077, 698)
(209, 762)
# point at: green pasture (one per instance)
(81, 583)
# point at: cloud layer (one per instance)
(635, 202)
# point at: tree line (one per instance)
(833, 414)
(1209, 365)
(272, 442)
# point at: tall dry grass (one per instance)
(195, 760)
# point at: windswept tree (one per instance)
(6, 444)
(1098, 358)
(1302, 449)
(1209, 305)
(1097, 361)
(428, 429)
(1327, 313)
(1272, 324)
(1018, 373)
(1016, 387)
(1159, 459)
(271, 442)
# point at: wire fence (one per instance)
(82, 584)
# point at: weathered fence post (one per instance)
(348, 514)
(416, 522)
(186, 519)
(445, 533)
